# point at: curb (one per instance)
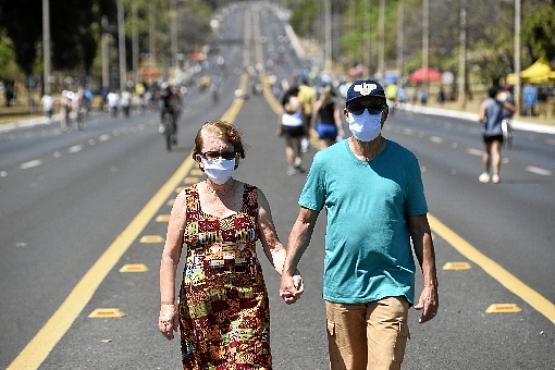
(473, 117)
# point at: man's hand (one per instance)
(428, 303)
(291, 288)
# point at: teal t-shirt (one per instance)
(368, 252)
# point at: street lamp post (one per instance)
(425, 40)
(381, 50)
(517, 55)
(328, 45)
(121, 46)
(135, 42)
(400, 37)
(46, 44)
(462, 55)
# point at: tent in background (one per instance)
(538, 73)
(418, 76)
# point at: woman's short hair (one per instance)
(227, 131)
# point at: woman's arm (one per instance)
(272, 246)
(168, 265)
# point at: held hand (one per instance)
(168, 320)
(428, 303)
(288, 289)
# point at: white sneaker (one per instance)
(161, 129)
(291, 171)
(495, 179)
(484, 178)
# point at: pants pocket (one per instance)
(400, 342)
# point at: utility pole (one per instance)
(367, 40)
(135, 42)
(173, 33)
(121, 46)
(425, 41)
(400, 37)
(462, 55)
(46, 44)
(328, 44)
(152, 31)
(517, 55)
(105, 53)
(381, 50)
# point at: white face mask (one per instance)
(218, 170)
(365, 127)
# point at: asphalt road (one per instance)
(66, 196)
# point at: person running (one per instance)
(371, 188)
(48, 106)
(307, 96)
(329, 126)
(223, 308)
(291, 126)
(491, 115)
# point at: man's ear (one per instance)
(385, 113)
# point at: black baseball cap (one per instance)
(364, 88)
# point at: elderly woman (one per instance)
(223, 311)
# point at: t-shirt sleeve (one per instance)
(416, 200)
(313, 194)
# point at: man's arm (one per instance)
(299, 238)
(424, 250)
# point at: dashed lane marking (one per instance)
(75, 149)
(30, 164)
(457, 266)
(436, 139)
(538, 171)
(163, 218)
(503, 308)
(92, 142)
(475, 152)
(495, 270)
(3, 173)
(134, 267)
(107, 313)
(151, 239)
(190, 180)
(104, 137)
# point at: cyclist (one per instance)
(170, 104)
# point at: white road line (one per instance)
(57, 154)
(408, 131)
(539, 171)
(3, 174)
(75, 149)
(30, 164)
(104, 137)
(92, 141)
(476, 152)
(436, 139)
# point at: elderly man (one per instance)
(372, 190)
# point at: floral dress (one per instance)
(224, 310)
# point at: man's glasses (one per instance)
(358, 106)
(216, 154)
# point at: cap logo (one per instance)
(365, 88)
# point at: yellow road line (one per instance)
(495, 270)
(36, 351)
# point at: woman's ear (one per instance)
(199, 162)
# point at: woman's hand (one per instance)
(168, 321)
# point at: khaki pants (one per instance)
(367, 336)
